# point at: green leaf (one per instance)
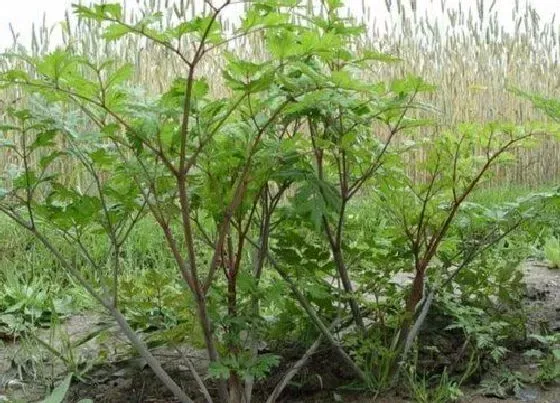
(200, 27)
(411, 84)
(48, 159)
(344, 79)
(14, 75)
(550, 106)
(217, 370)
(99, 12)
(280, 44)
(25, 180)
(82, 86)
(334, 4)
(102, 158)
(263, 365)
(174, 97)
(258, 18)
(200, 88)
(44, 139)
(373, 55)
(113, 10)
(56, 64)
(59, 393)
(120, 75)
(116, 31)
(317, 77)
(314, 43)
(169, 135)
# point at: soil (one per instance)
(543, 297)
(128, 379)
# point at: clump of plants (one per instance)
(552, 252)
(282, 206)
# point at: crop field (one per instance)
(281, 201)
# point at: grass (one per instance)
(507, 193)
(33, 286)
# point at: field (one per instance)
(293, 205)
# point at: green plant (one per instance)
(59, 393)
(466, 47)
(26, 305)
(506, 383)
(552, 252)
(209, 171)
(447, 233)
(548, 358)
(445, 390)
(483, 334)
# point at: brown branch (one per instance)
(237, 197)
(289, 375)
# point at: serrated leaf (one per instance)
(256, 18)
(116, 31)
(205, 26)
(217, 370)
(120, 75)
(280, 44)
(310, 72)
(102, 158)
(411, 84)
(99, 12)
(25, 180)
(44, 139)
(15, 75)
(56, 63)
(200, 88)
(48, 159)
(373, 55)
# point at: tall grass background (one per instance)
(467, 53)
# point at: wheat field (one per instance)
(468, 54)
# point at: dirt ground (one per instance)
(543, 296)
(130, 380)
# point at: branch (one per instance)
(438, 235)
(306, 305)
(237, 197)
(288, 376)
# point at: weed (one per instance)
(505, 384)
(548, 358)
(423, 391)
(552, 252)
